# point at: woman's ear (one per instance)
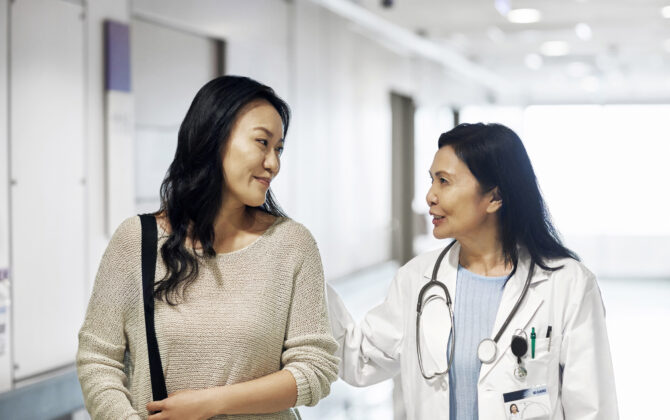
(495, 202)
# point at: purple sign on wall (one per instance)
(117, 56)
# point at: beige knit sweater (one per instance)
(249, 313)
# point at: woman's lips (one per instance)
(264, 181)
(437, 220)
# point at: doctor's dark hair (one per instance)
(497, 158)
(192, 191)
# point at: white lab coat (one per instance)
(577, 367)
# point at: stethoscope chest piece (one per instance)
(487, 350)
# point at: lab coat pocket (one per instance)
(543, 370)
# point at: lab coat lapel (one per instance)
(435, 320)
(527, 310)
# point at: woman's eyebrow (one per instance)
(268, 132)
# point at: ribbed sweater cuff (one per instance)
(304, 390)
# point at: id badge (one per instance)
(528, 404)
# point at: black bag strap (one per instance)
(149, 254)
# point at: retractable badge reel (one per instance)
(519, 349)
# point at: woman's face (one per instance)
(457, 204)
(251, 155)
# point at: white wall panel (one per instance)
(5, 333)
(47, 91)
(169, 66)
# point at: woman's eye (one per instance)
(262, 141)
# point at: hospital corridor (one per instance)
(352, 209)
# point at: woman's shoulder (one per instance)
(289, 229)
(129, 231)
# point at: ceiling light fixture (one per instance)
(583, 31)
(554, 48)
(666, 12)
(524, 16)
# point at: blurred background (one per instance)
(92, 94)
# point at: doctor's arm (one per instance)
(370, 351)
(588, 389)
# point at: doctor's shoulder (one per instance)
(573, 278)
(419, 267)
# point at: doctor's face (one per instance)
(251, 154)
(458, 206)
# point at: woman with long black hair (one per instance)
(502, 319)
(240, 315)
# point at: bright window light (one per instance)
(602, 169)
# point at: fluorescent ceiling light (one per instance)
(524, 16)
(533, 61)
(666, 12)
(583, 31)
(554, 48)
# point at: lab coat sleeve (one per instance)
(588, 389)
(102, 341)
(309, 346)
(369, 352)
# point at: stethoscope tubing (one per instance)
(452, 334)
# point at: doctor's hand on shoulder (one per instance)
(502, 322)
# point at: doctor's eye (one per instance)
(280, 150)
(443, 181)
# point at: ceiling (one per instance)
(618, 51)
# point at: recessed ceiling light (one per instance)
(583, 31)
(524, 16)
(554, 48)
(666, 12)
(533, 61)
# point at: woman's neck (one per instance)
(482, 253)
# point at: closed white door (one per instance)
(47, 90)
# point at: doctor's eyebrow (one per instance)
(439, 173)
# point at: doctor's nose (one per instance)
(431, 197)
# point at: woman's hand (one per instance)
(186, 405)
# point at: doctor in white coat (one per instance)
(484, 194)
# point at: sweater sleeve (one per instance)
(309, 347)
(102, 341)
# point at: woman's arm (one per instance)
(102, 341)
(268, 394)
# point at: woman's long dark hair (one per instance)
(192, 191)
(496, 157)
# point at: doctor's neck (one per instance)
(482, 253)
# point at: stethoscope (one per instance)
(488, 348)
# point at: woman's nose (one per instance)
(271, 162)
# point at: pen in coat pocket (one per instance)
(549, 337)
